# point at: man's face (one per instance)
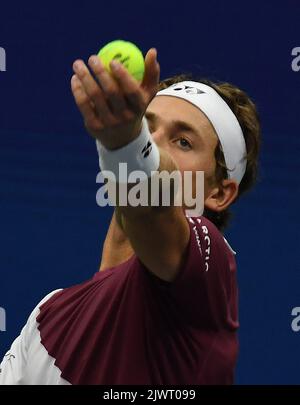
(182, 130)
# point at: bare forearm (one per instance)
(158, 234)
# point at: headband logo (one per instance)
(186, 89)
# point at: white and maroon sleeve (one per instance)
(14, 366)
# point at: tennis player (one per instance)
(163, 308)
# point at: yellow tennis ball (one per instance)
(126, 53)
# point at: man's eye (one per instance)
(184, 144)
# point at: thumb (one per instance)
(152, 73)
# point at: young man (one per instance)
(163, 307)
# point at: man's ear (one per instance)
(220, 197)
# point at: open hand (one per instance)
(113, 105)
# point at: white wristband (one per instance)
(141, 154)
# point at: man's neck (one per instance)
(117, 248)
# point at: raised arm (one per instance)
(113, 113)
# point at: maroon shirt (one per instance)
(127, 326)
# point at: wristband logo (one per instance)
(147, 149)
(2, 320)
(296, 60)
(161, 189)
(2, 60)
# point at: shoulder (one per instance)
(211, 244)
(30, 326)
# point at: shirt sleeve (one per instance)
(14, 362)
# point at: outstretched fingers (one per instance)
(84, 103)
(130, 87)
(94, 92)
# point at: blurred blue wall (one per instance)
(51, 230)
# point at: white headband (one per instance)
(222, 119)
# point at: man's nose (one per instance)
(159, 137)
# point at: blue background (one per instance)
(51, 230)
